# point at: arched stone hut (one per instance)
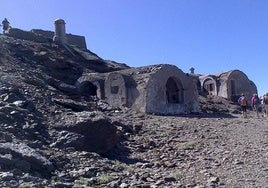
(229, 85)
(116, 89)
(235, 82)
(209, 85)
(91, 85)
(160, 89)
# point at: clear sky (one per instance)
(210, 35)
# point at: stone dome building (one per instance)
(159, 89)
(209, 85)
(229, 85)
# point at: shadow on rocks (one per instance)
(122, 154)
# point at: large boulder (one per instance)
(93, 131)
(25, 158)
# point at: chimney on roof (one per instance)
(59, 35)
(191, 70)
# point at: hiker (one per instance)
(243, 101)
(265, 104)
(255, 104)
(5, 24)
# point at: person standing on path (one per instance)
(243, 101)
(6, 26)
(255, 104)
(265, 104)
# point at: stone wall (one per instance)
(42, 36)
(77, 40)
(71, 39)
(115, 90)
(26, 35)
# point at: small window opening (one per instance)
(114, 89)
(211, 87)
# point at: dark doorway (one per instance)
(234, 95)
(88, 90)
(233, 86)
(174, 92)
(209, 87)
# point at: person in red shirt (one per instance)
(243, 101)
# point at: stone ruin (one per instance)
(42, 36)
(155, 89)
(229, 85)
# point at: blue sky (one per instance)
(210, 35)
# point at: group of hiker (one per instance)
(258, 104)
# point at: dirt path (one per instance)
(203, 152)
(245, 143)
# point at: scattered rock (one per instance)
(98, 133)
(27, 155)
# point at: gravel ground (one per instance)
(202, 151)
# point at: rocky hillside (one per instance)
(51, 137)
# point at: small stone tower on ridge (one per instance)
(60, 35)
(192, 70)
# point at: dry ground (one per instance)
(201, 151)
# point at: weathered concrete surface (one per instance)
(157, 99)
(160, 89)
(235, 82)
(116, 92)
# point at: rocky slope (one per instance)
(51, 137)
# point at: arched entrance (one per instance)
(209, 87)
(234, 95)
(88, 90)
(174, 91)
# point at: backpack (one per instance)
(243, 101)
